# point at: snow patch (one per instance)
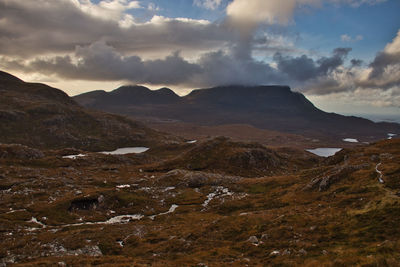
(380, 173)
(123, 186)
(34, 220)
(171, 210)
(122, 219)
(74, 156)
(391, 135)
(218, 193)
(169, 188)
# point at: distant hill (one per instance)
(44, 117)
(265, 107)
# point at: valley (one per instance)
(81, 187)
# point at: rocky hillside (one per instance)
(265, 107)
(43, 117)
(222, 155)
(113, 210)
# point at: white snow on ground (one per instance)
(218, 193)
(74, 156)
(169, 188)
(12, 211)
(391, 135)
(123, 219)
(350, 140)
(171, 210)
(380, 173)
(123, 186)
(324, 152)
(34, 220)
(192, 142)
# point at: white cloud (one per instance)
(259, 11)
(250, 13)
(57, 27)
(394, 46)
(153, 7)
(109, 10)
(208, 4)
(348, 39)
(358, 3)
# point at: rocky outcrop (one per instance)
(334, 175)
(222, 155)
(87, 203)
(16, 151)
(198, 179)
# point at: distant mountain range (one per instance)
(265, 107)
(40, 116)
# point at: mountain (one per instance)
(265, 107)
(44, 117)
(128, 95)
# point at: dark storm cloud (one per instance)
(356, 62)
(381, 62)
(304, 68)
(385, 68)
(101, 62)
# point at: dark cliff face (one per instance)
(266, 107)
(252, 99)
(44, 117)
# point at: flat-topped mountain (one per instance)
(44, 117)
(265, 107)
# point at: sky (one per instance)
(344, 55)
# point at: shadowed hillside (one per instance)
(44, 117)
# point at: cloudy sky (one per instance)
(344, 55)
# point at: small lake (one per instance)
(126, 150)
(324, 152)
(350, 140)
(119, 151)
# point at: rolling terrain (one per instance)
(279, 209)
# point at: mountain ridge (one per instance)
(40, 116)
(265, 107)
